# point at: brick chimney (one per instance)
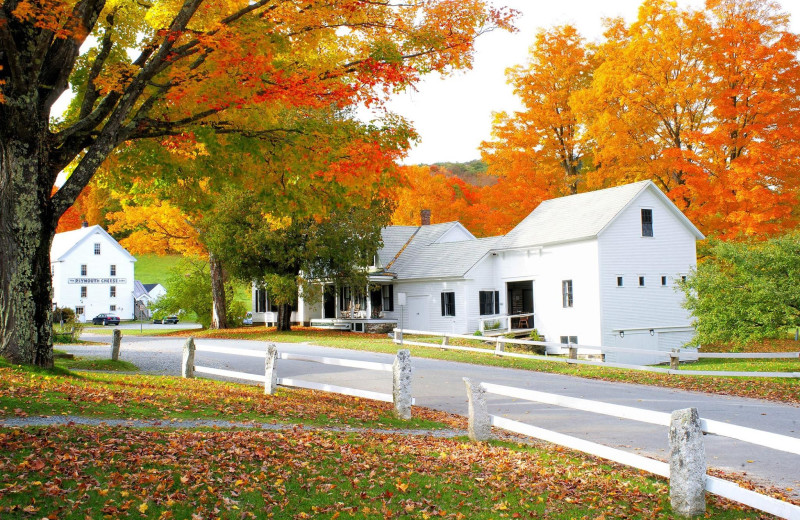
(425, 217)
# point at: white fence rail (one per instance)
(674, 357)
(401, 371)
(711, 484)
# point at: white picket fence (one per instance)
(720, 487)
(401, 395)
(552, 351)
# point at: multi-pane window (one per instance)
(387, 293)
(83, 269)
(113, 270)
(97, 248)
(112, 308)
(566, 340)
(489, 302)
(566, 293)
(641, 281)
(448, 304)
(619, 281)
(112, 291)
(647, 222)
(261, 300)
(83, 292)
(79, 310)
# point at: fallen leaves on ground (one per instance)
(111, 395)
(96, 472)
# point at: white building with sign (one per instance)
(92, 273)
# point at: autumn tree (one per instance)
(153, 69)
(433, 188)
(704, 104)
(286, 254)
(540, 151)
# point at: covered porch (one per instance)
(363, 310)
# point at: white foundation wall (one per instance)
(634, 309)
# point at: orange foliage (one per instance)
(157, 228)
(430, 187)
(702, 102)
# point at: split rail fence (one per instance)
(552, 349)
(480, 422)
(400, 370)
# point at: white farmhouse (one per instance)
(92, 273)
(598, 268)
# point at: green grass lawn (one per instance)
(78, 472)
(745, 365)
(156, 269)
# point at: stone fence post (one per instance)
(187, 369)
(573, 352)
(401, 387)
(500, 347)
(271, 369)
(480, 427)
(675, 360)
(116, 339)
(687, 464)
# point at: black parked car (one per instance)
(105, 319)
(168, 319)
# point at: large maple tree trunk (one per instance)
(219, 307)
(27, 226)
(284, 317)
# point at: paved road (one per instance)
(438, 384)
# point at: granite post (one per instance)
(187, 369)
(687, 464)
(271, 369)
(480, 426)
(116, 339)
(401, 388)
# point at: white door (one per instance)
(418, 318)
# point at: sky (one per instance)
(453, 115)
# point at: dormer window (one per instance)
(647, 222)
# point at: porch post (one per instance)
(335, 302)
(369, 303)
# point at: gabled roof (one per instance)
(445, 260)
(150, 286)
(139, 290)
(65, 243)
(582, 216)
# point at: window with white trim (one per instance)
(489, 302)
(448, 304)
(97, 248)
(566, 293)
(79, 310)
(641, 280)
(647, 222)
(112, 271)
(112, 291)
(663, 281)
(84, 290)
(112, 308)
(620, 281)
(83, 270)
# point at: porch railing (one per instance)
(503, 323)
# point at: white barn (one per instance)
(597, 268)
(92, 273)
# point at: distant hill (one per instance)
(472, 172)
